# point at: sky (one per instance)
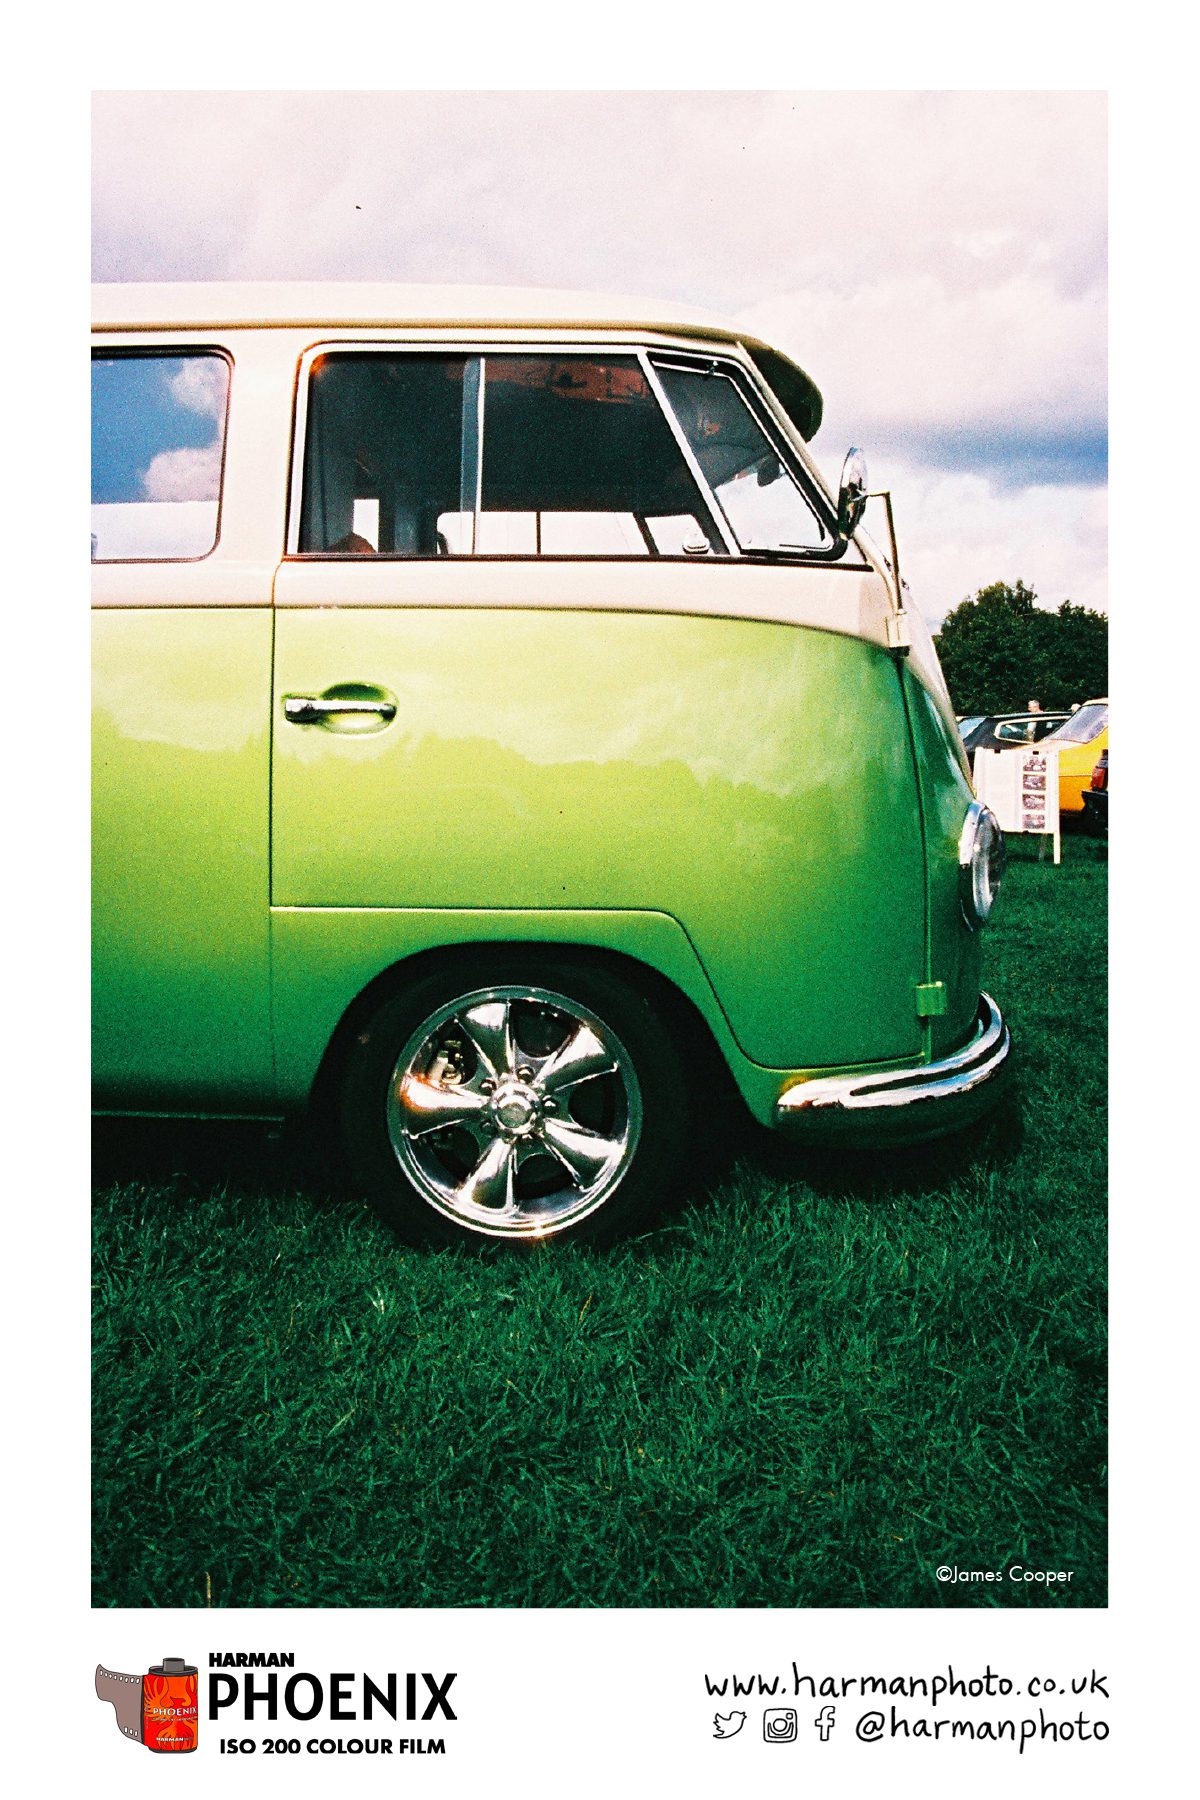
(935, 261)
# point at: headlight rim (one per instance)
(980, 866)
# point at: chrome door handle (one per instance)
(311, 709)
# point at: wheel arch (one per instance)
(687, 1024)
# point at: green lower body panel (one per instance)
(324, 958)
(180, 859)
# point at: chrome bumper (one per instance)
(923, 1101)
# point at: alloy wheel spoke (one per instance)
(492, 1183)
(580, 1058)
(430, 1107)
(583, 1153)
(489, 1027)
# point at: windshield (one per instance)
(966, 725)
(1082, 726)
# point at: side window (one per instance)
(158, 441)
(763, 505)
(416, 455)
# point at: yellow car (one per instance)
(1079, 741)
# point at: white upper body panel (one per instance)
(140, 306)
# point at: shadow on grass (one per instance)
(846, 1171)
(300, 1160)
(196, 1155)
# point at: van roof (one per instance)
(149, 305)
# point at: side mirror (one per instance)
(852, 495)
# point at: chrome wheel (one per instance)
(514, 1111)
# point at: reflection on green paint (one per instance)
(752, 781)
(180, 965)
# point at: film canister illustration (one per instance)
(157, 1709)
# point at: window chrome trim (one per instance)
(475, 371)
(783, 560)
(716, 512)
(746, 385)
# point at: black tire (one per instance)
(640, 1107)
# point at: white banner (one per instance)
(1021, 787)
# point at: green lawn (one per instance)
(809, 1386)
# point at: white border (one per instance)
(617, 1699)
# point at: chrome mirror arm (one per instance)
(885, 494)
(899, 635)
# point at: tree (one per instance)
(1001, 650)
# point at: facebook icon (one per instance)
(824, 1722)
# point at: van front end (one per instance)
(961, 1071)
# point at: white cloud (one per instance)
(727, 199)
(199, 385)
(193, 474)
(960, 532)
(913, 354)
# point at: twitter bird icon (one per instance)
(728, 1724)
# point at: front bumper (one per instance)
(905, 1105)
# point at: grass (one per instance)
(822, 1378)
